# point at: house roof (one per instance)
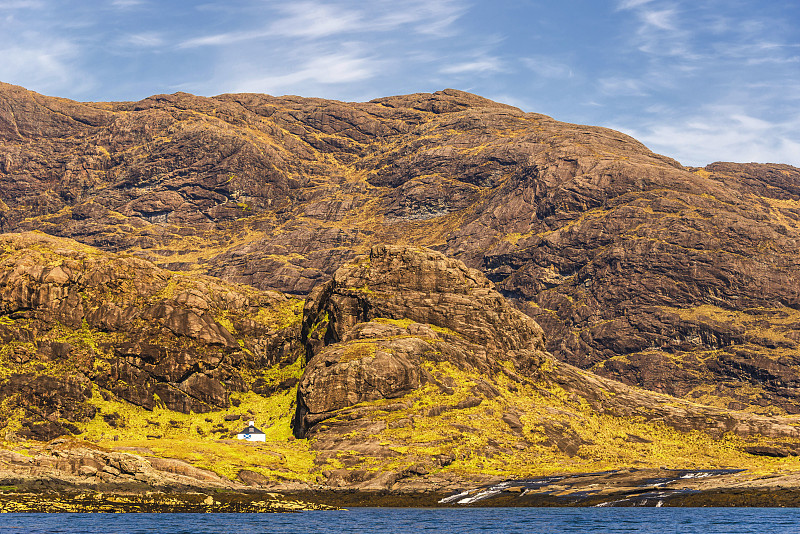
(250, 429)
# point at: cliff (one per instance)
(679, 280)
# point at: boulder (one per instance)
(369, 330)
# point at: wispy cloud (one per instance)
(125, 4)
(222, 39)
(143, 40)
(305, 19)
(318, 20)
(662, 19)
(629, 4)
(323, 69)
(315, 20)
(475, 66)
(49, 66)
(619, 86)
(692, 66)
(315, 46)
(547, 67)
(723, 133)
(21, 4)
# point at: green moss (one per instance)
(228, 325)
(192, 437)
(281, 315)
(274, 375)
(323, 322)
(363, 289)
(358, 350)
(170, 289)
(478, 441)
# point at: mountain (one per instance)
(682, 281)
(406, 371)
(679, 280)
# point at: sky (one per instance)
(696, 80)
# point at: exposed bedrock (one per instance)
(681, 280)
(77, 322)
(369, 330)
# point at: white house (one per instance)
(251, 433)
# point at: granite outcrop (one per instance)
(681, 280)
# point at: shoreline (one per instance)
(321, 500)
(647, 487)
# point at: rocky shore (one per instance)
(621, 488)
(152, 502)
(57, 480)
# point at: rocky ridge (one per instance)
(680, 280)
(405, 342)
(65, 461)
(369, 330)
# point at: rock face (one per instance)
(369, 331)
(684, 281)
(76, 322)
(419, 376)
(63, 462)
(415, 363)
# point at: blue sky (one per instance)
(697, 80)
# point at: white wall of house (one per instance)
(252, 437)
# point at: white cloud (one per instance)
(663, 19)
(315, 20)
(311, 20)
(143, 40)
(630, 4)
(618, 86)
(21, 4)
(477, 66)
(50, 66)
(222, 39)
(125, 4)
(324, 69)
(435, 17)
(723, 133)
(771, 60)
(547, 67)
(329, 48)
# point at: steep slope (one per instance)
(80, 326)
(407, 371)
(683, 281)
(420, 373)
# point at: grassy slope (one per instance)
(477, 439)
(560, 431)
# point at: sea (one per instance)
(413, 520)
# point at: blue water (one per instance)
(401, 520)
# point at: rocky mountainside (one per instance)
(79, 325)
(406, 371)
(411, 352)
(680, 280)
